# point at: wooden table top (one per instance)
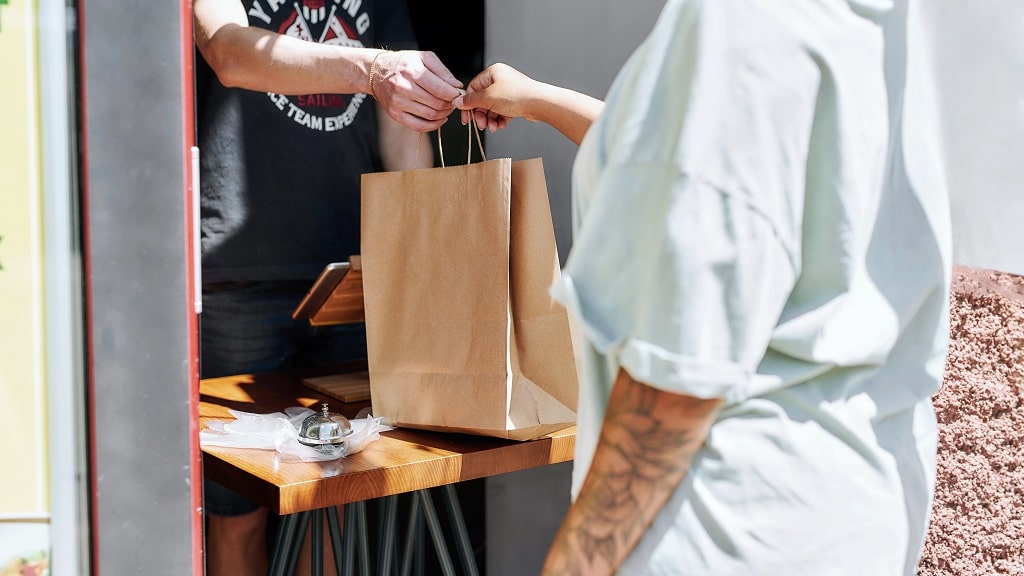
(401, 461)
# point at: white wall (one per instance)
(579, 44)
(978, 51)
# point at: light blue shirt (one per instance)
(751, 225)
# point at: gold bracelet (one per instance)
(373, 71)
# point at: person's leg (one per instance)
(236, 544)
(244, 329)
(236, 531)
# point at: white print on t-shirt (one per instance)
(314, 122)
(310, 20)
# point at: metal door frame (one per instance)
(141, 360)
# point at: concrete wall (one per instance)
(979, 68)
(579, 44)
(134, 111)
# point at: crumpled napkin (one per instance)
(280, 432)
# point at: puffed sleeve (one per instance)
(689, 199)
(679, 280)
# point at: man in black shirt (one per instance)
(296, 100)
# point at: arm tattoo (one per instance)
(647, 442)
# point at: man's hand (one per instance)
(415, 88)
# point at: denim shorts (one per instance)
(248, 328)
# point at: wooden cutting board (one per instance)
(348, 387)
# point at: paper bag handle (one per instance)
(469, 149)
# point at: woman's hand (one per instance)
(414, 88)
(498, 93)
(501, 92)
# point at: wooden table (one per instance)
(403, 460)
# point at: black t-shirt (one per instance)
(280, 174)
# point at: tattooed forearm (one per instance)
(648, 439)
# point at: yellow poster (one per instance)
(23, 442)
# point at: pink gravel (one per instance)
(977, 524)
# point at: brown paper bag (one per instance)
(461, 333)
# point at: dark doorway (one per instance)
(454, 30)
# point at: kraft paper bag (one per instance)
(461, 333)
